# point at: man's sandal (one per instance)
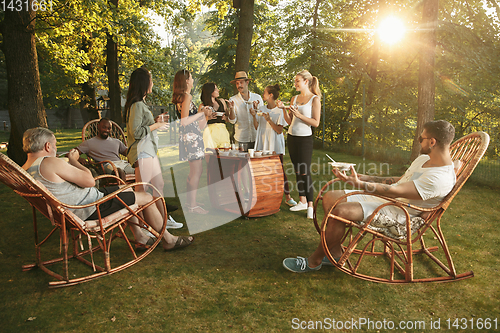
(182, 241)
(146, 246)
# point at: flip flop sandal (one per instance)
(146, 246)
(182, 241)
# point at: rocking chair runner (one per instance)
(102, 231)
(90, 130)
(358, 256)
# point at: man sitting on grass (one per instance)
(73, 184)
(427, 181)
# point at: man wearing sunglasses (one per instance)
(427, 181)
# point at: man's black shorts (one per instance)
(114, 205)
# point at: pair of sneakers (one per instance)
(302, 206)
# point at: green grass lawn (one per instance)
(232, 279)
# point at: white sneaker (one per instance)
(171, 224)
(310, 212)
(298, 207)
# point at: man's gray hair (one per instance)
(35, 139)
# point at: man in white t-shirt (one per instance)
(426, 183)
(102, 147)
(244, 130)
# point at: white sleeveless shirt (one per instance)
(298, 127)
(67, 192)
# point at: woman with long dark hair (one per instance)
(303, 114)
(192, 122)
(215, 134)
(142, 137)
(142, 141)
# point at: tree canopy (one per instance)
(336, 40)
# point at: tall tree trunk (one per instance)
(426, 84)
(343, 126)
(114, 94)
(245, 33)
(373, 72)
(115, 108)
(315, 68)
(88, 103)
(24, 94)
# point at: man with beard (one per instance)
(102, 147)
(426, 183)
(244, 129)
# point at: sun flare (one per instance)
(391, 30)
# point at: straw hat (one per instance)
(242, 75)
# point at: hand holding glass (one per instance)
(163, 118)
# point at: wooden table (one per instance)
(252, 187)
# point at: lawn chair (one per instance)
(362, 258)
(102, 231)
(89, 131)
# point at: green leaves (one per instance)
(335, 40)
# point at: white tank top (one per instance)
(298, 127)
(67, 192)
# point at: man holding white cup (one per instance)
(241, 117)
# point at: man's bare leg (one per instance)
(335, 229)
(155, 219)
(139, 236)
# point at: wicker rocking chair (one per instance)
(102, 232)
(364, 247)
(89, 131)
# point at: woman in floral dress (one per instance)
(192, 122)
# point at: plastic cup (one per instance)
(243, 146)
(251, 152)
(162, 118)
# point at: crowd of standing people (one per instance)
(258, 124)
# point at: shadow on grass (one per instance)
(231, 278)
